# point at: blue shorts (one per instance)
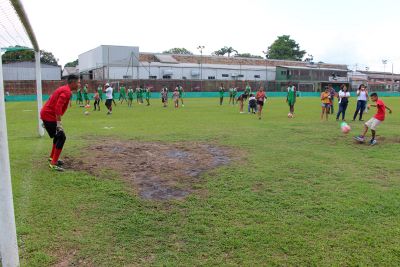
(325, 105)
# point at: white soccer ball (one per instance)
(86, 113)
(290, 115)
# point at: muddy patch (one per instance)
(156, 171)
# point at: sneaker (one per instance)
(59, 162)
(372, 142)
(55, 168)
(359, 138)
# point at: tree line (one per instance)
(283, 48)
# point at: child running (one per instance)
(221, 94)
(375, 120)
(100, 91)
(291, 97)
(175, 97)
(122, 94)
(261, 97)
(164, 96)
(96, 98)
(79, 99)
(148, 93)
(85, 94)
(234, 93)
(326, 100)
(130, 97)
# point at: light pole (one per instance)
(201, 47)
(384, 62)
(149, 69)
(266, 67)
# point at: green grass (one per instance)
(304, 194)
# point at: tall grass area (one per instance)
(303, 193)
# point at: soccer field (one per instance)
(294, 191)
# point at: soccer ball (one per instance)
(345, 128)
(290, 115)
(86, 113)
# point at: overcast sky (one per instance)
(341, 31)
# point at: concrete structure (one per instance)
(69, 70)
(109, 62)
(97, 65)
(312, 78)
(25, 71)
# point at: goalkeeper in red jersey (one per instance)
(51, 114)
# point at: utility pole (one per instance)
(201, 47)
(384, 62)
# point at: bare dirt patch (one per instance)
(156, 171)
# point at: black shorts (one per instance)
(109, 102)
(261, 103)
(51, 128)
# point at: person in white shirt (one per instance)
(109, 98)
(362, 98)
(343, 102)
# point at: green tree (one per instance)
(225, 50)
(285, 48)
(72, 64)
(179, 51)
(247, 55)
(29, 55)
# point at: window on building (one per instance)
(211, 77)
(283, 72)
(166, 76)
(184, 78)
(127, 77)
(153, 77)
(240, 76)
(257, 76)
(225, 75)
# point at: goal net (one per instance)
(16, 37)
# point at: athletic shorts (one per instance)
(325, 105)
(164, 99)
(109, 102)
(373, 123)
(51, 128)
(261, 103)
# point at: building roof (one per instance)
(70, 70)
(28, 64)
(315, 67)
(166, 58)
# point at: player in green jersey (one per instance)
(180, 91)
(291, 97)
(122, 94)
(85, 94)
(79, 99)
(130, 97)
(147, 94)
(221, 94)
(234, 93)
(100, 91)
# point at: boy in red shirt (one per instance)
(51, 114)
(375, 120)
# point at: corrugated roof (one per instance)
(165, 58)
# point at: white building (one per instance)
(25, 71)
(125, 62)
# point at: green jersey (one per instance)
(137, 91)
(180, 91)
(122, 91)
(291, 95)
(79, 94)
(130, 94)
(234, 92)
(148, 93)
(248, 90)
(230, 91)
(100, 91)
(221, 92)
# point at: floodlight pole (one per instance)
(8, 233)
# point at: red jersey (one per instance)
(57, 104)
(260, 96)
(380, 114)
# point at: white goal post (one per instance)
(12, 16)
